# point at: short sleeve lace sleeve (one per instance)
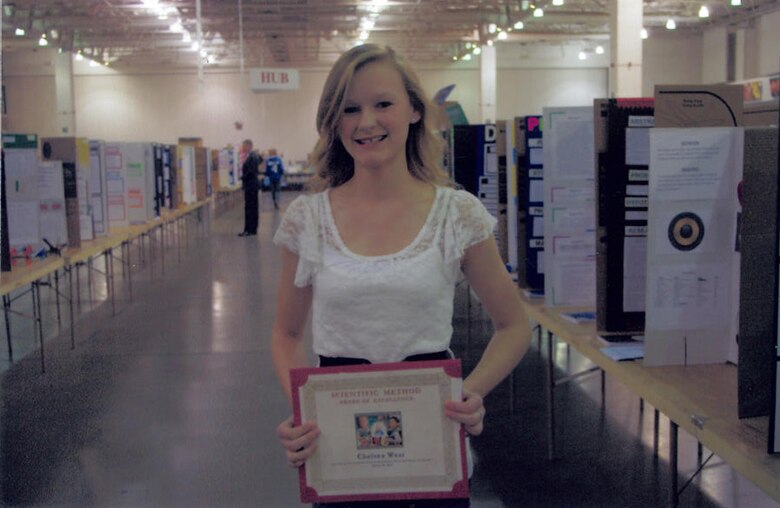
(468, 223)
(299, 231)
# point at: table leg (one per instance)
(57, 296)
(550, 397)
(89, 280)
(109, 255)
(78, 285)
(70, 306)
(37, 321)
(129, 272)
(603, 389)
(656, 416)
(162, 247)
(6, 306)
(673, 431)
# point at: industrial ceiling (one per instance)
(129, 34)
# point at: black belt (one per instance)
(329, 361)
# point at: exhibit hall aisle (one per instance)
(174, 402)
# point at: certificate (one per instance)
(384, 434)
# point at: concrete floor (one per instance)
(173, 401)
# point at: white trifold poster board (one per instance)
(139, 181)
(97, 187)
(570, 207)
(86, 224)
(21, 181)
(116, 209)
(52, 221)
(187, 167)
(692, 297)
(225, 170)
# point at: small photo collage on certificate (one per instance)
(379, 430)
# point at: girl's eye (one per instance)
(351, 109)
(384, 104)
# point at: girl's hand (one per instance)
(299, 442)
(470, 412)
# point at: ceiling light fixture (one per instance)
(195, 46)
(502, 36)
(643, 33)
(492, 28)
(176, 26)
(20, 32)
(490, 42)
(557, 3)
(79, 57)
(670, 24)
(477, 50)
(150, 3)
(704, 12)
(466, 57)
(519, 25)
(736, 3)
(42, 41)
(367, 24)
(93, 63)
(538, 12)
(363, 35)
(582, 55)
(599, 50)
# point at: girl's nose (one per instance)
(367, 119)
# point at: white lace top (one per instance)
(383, 308)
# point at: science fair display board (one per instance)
(623, 157)
(97, 187)
(758, 233)
(187, 174)
(569, 207)
(74, 154)
(52, 219)
(512, 199)
(116, 200)
(138, 159)
(475, 164)
(170, 171)
(226, 171)
(530, 181)
(692, 266)
(21, 187)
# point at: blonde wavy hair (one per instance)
(424, 146)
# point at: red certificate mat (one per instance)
(384, 434)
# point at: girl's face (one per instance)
(377, 113)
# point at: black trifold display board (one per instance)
(530, 205)
(621, 184)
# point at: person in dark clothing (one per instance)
(250, 172)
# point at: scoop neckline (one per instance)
(417, 239)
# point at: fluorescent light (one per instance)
(79, 56)
(363, 35)
(736, 3)
(176, 26)
(502, 36)
(492, 28)
(557, 2)
(42, 41)
(93, 63)
(367, 24)
(704, 12)
(203, 53)
(582, 55)
(519, 25)
(643, 33)
(477, 50)
(466, 57)
(454, 58)
(150, 3)
(469, 45)
(490, 42)
(20, 32)
(195, 46)
(186, 37)
(538, 12)
(670, 24)
(599, 50)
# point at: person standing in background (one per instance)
(274, 169)
(250, 172)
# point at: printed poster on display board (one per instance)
(21, 183)
(569, 207)
(97, 187)
(692, 229)
(116, 206)
(532, 201)
(52, 216)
